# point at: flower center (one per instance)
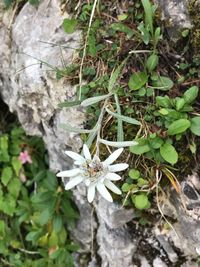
(94, 170)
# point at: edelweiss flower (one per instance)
(94, 173)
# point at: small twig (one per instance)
(29, 252)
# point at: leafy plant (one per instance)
(35, 210)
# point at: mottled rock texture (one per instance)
(107, 232)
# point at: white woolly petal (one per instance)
(113, 156)
(91, 193)
(112, 187)
(86, 152)
(87, 182)
(118, 167)
(113, 176)
(73, 182)
(68, 173)
(75, 156)
(104, 192)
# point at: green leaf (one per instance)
(4, 156)
(169, 154)
(115, 75)
(69, 25)
(137, 80)
(141, 201)
(148, 15)
(191, 94)
(6, 175)
(163, 101)
(124, 118)
(152, 62)
(53, 239)
(122, 17)
(45, 216)
(32, 236)
(17, 165)
(156, 142)
(195, 126)
(134, 174)
(95, 99)
(14, 187)
(163, 83)
(92, 50)
(57, 223)
(126, 187)
(70, 104)
(185, 32)
(180, 102)
(122, 28)
(141, 148)
(178, 126)
(2, 229)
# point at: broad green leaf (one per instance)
(6, 175)
(195, 125)
(126, 187)
(14, 187)
(163, 101)
(137, 80)
(156, 142)
(163, 83)
(95, 99)
(178, 126)
(141, 201)
(118, 144)
(134, 174)
(69, 25)
(57, 223)
(152, 62)
(180, 102)
(45, 216)
(32, 236)
(169, 154)
(69, 104)
(76, 130)
(8, 205)
(115, 75)
(124, 118)
(141, 148)
(17, 165)
(191, 94)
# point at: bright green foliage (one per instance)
(69, 25)
(35, 210)
(169, 153)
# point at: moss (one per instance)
(194, 12)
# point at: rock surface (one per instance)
(28, 85)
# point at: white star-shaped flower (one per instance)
(94, 173)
